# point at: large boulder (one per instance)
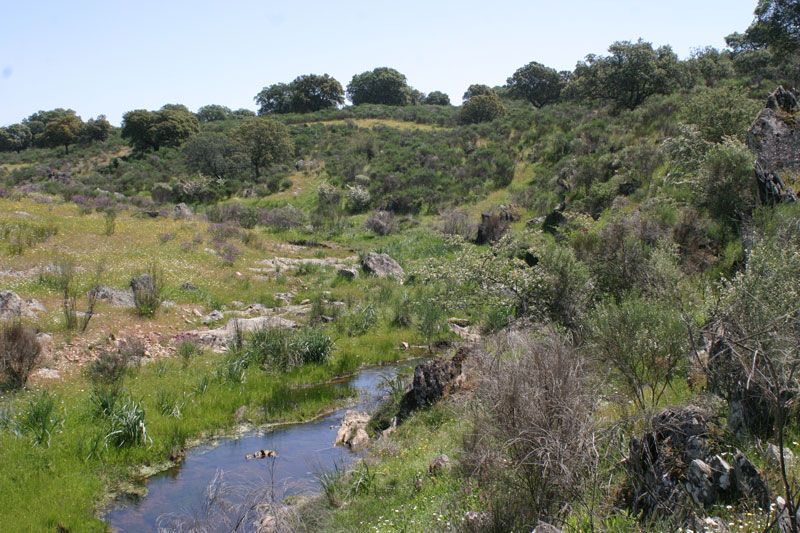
(382, 265)
(674, 460)
(432, 380)
(182, 211)
(774, 138)
(116, 297)
(12, 306)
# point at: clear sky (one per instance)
(109, 57)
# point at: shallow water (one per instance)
(302, 449)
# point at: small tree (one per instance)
(63, 131)
(19, 353)
(643, 341)
(536, 83)
(265, 142)
(436, 98)
(382, 85)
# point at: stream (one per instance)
(302, 450)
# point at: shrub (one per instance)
(19, 353)
(532, 443)
(147, 290)
(357, 199)
(127, 427)
(457, 222)
(381, 222)
(283, 218)
(110, 219)
(40, 418)
(109, 368)
(645, 343)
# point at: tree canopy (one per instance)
(15, 137)
(62, 131)
(536, 83)
(481, 104)
(153, 129)
(213, 112)
(382, 85)
(436, 98)
(777, 26)
(631, 73)
(266, 142)
(305, 94)
(215, 154)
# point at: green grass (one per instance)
(382, 494)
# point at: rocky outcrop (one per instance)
(353, 431)
(116, 297)
(432, 380)
(439, 465)
(219, 337)
(182, 211)
(382, 266)
(12, 306)
(673, 460)
(774, 138)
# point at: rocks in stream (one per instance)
(353, 431)
(262, 454)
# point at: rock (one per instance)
(46, 347)
(657, 462)
(749, 481)
(432, 380)
(262, 454)
(188, 286)
(182, 211)
(774, 138)
(391, 429)
(461, 322)
(348, 273)
(723, 474)
(237, 304)
(465, 333)
(353, 431)
(700, 483)
(491, 228)
(12, 306)
(382, 266)
(239, 414)
(477, 520)
(284, 296)
(440, 464)
(47, 373)
(219, 338)
(116, 297)
(774, 456)
(143, 284)
(544, 527)
(214, 316)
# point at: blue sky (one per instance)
(109, 57)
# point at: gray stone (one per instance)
(775, 139)
(182, 211)
(774, 456)
(213, 316)
(382, 266)
(440, 464)
(723, 474)
(116, 297)
(353, 431)
(46, 347)
(143, 283)
(188, 286)
(700, 483)
(749, 481)
(12, 306)
(544, 527)
(348, 273)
